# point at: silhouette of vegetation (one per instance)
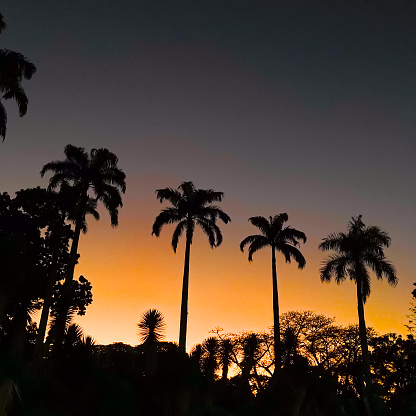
(411, 325)
(320, 366)
(285, 240)
(151, 327)
(190, 207)
(14, 67)
(95, 172)
(355, 252)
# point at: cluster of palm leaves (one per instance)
(14, 67)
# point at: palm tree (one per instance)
(13, 68)
(190, 207)
(356, 251)
(283, 239)
(95, 177)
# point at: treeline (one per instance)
(307, 366)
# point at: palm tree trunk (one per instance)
(276, 322)
(66, 290)
(47, 301)
(364, 349)
(185, 286)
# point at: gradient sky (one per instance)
(304, 107)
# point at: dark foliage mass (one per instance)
(305, 366)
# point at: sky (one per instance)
(304, 107)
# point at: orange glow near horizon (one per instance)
(132, 271)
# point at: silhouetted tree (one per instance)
(96, 172)
(13, 68)
(210, 357)
(22, 256)
(190, 207)
(356, 251)
(151, 327)
(225, 357)
(51, 210)
(285, 240)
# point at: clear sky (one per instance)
(304, 107)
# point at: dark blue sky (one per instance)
(300, 106)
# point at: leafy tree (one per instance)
(13, 68)
(356, 251)
(393, 360)
(190, 207)
(22, 251)
(47, 207)
(97, 173)
(285, 240)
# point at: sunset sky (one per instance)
(304, 107)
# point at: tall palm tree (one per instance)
(93, 175)
(281, 238)
(13, 68)
(190, 207)
(355, 252)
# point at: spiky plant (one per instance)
(151, 327)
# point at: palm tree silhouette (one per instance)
(96, 173)
(356, 251)
(151, 327)
(190, 207)
(13, 68)
(283, 239)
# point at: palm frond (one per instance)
(261, 223)
(257, 245)
(169, 194)
(3, 121)
(291, 252)
(212, 231)
(18, 94)
(167, 216)
(332, 242)
(292, 235)
(332, 266)
(250, 239)
(2, 23)
(382, 267)
(177, 233)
